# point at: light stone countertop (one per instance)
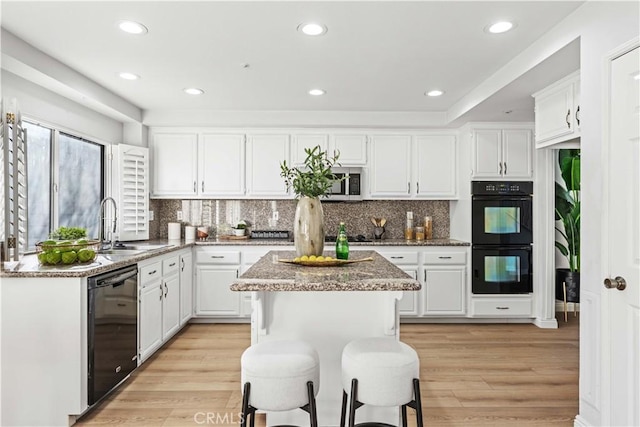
(268, 274)
(383, 242)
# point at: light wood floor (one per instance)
(471, 375)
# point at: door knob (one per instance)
(619, 283)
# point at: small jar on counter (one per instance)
(428, 228)
(419, 233)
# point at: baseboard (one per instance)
(580, 422)
(546, 324)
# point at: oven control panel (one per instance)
(501, 187)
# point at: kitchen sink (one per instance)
(122, 252)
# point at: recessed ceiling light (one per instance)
(434, 92)
(500, 27)
(129, 76)
(317, 92)
(132, 27)
(193, 91)
(312, 29)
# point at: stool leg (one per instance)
(313, 415)
(245, 404)
(403, 412)
(343, 413)
(418, 400)
(352, 404)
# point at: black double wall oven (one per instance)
(501, 237)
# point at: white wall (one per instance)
(38, 103)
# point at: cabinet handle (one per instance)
(417, 188)
(505, 168)
(194, 186)
(567, 118)
(500, 168)
(578, 115)
(444, 257)
(217, 256)
(396, 257)
(172, 264)
(203, 186)
(160, 291)
(408, 188)
(502, 308)
(182, 264)
(153, 272)
(166, 290)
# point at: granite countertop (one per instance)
(268, 274)
(284, 242)
(29, 266)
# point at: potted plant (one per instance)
(240, 228)
(309, 183)
(568, 213)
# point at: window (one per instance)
(66, 181)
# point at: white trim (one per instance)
(606, 360)
(546, 324)
(580, 422)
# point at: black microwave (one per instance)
(348, 189)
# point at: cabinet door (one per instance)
(213, 296)
(435, 164)
(264, 155)
(554, 113)
(352, 149)
(303, 141)
(150, 322)
(170, 306)
(444, 290)
(487, 156)
(174, 164)
(516, 153)
(390, 167)
(408, 305)
(221, 165)
(186, 287)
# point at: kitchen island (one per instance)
(326, 307)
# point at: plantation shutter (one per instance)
(132, 178)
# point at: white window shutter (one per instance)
(131, 179)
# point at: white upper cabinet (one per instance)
(557, 109)
(435, 166)
(131, 190)
(300, 142)
(221, 165)
(390, 166)
(264, 154)
(175, 171)
(502, 153)
(405, 167)
(352, 148)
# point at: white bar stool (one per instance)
(279, 376)
(380, 372)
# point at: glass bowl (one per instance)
(67, 252)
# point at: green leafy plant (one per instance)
(315, 178)
(568, 207)
(241, 225)
(68, 233)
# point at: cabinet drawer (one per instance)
(445, 258)
(218, 257)
(401, 258)
(170, 265)
(150, 272)
(502, 307)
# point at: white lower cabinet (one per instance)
(502, 306)
(215, 271)
(444, 290)
(407, 261)
(160, 296)
(186, 286)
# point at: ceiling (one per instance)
(376, 56)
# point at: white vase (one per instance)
(308, 227)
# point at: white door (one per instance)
(175, 168)
(150, 319)
(186, 287)
(265, 153)
(622, 197)
(444, 290)
(435, 165)
(301, 142)
(408, 305)
(390, 166)
(516, 153)
(170, 306)
(352, 149)
(213, 297)
(487, 154)
(554, 115)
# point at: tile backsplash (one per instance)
(220, 215)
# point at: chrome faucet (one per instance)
(101, 219)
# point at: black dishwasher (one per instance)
(112, 330)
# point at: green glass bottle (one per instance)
(342, 244)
